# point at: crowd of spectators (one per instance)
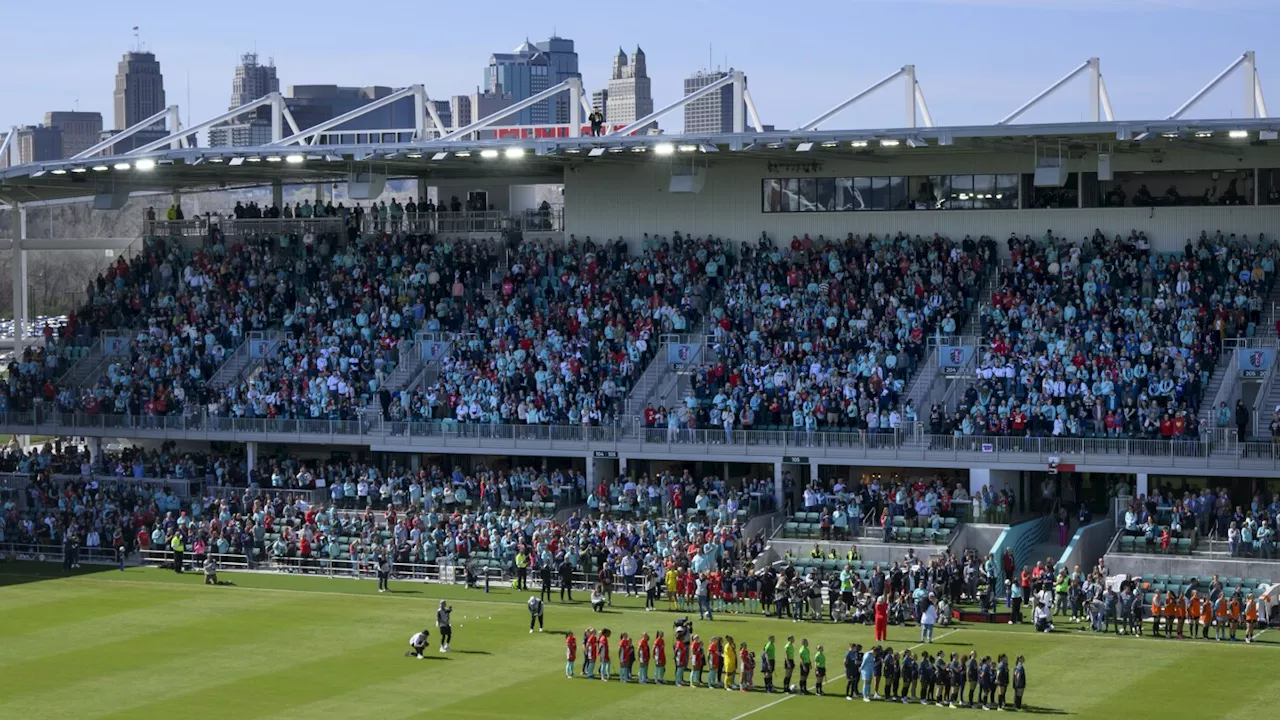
(1164, 517)
(1103, 338)
(824, 333)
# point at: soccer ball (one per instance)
(40, 557)
(794, 687)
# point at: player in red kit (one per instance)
(682, 659)
(644, 655)
(602, 648)
(698, 660)
(659, 657)
(882, 619)
(589, 644)
(570, 654)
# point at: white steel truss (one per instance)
(279, 116)
(1255, 105)
(577, 103)
(741, 102)
(914, 101)
(1099, 100)
(175, 140)
(9, 148)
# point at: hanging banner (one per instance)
(258, 347)
(115, 345)
(1255, 362)
(680, 354)
(953, 358)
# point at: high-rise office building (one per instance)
(600, 101)
(445, 111)
(38, 143)
(630, 92)
(251, 82)
(712, 113)
(466, 109)
(527, 71)
(139, 94)
(80, 130)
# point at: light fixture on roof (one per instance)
(236, 161)
(687, 148)
(890, 142)
(639, 149)
(708, 148)
(830, 144)
(775, 146)
(254, 159)
(333, 158)
(101, 168)
(1203, 134)
(217, 159)
(79, 170)
(804, 147)
(858, 143)
(664, 148)
(488, 153)
(274, 158)
(573, 151)
(514, 153)
(145, 164)
(440, 155)
(597, 152)
(616, 150)
(916, 143)
(294, 159)
(1238, 134)
(60, 171)
(38, 173)
(1169, 135)
(414, 156)
(463, 153)
(121, 166)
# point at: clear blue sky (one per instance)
(976, 59)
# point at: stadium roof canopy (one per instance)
(329, 152)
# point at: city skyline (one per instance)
(1149, 72)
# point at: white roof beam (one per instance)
(1096, 90)
(751, 110)
(664, 111)
(127, 133)
(313, 132)
(485, 122)
(181, 133)
(9, 146)
(1250, 82)
(907, 71)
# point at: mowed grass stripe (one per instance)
(49, 610)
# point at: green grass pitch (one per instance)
(150, 644)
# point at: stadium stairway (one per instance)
(235, 366)
(84, 369)
(1211, 389)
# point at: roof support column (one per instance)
(1095, 90)
(910, 72)
(575, 107)
(739, 116)
(18, 223)
(1250, 85)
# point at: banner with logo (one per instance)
(1255, 362)
(683, 353)
(115, 345)
(258, 347)
(953, 358)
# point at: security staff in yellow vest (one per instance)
(178, 548)
(522, 569)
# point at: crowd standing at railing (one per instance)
(1163, 518)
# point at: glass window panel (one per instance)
(769, 201)
(826, 194)
(862, 193)
(1007, 192)
(984, 191)
(921, 191)
(897, 193)
(808, 194)
(879, 193)
(791, 192)
(844, 194)
(960, 196)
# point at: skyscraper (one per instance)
(251, 82)
(630, 94)
(311, 105)
(80, 130)
(712, 113)
(600, 101)
(37, 143)
(527, 71)
(139, 95)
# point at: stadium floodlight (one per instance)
(79, 170)
(597, 152)
(1204, 134)
(1169, 135)
(858, 143)
(488, 153)
(463, 153)
(122, 166)
(145, 164)
(217, 159)
(830, 144)
(414, 156)
(274, 158)
(804, 147)
(236, 161)
(1238, 134)
(688, 148)
(294, 159)
(639, 149)
(101, 168)
(889, 142)
(60, 171)
(664, 148)
(776, 145)
(253, 159)
(514, 153)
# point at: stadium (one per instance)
(1015, 380)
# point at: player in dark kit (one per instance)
(444, 626)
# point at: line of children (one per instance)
(723, 663)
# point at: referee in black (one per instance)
(544, 574)
(442, 622)
(384, 573)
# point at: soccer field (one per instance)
(149, 644)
